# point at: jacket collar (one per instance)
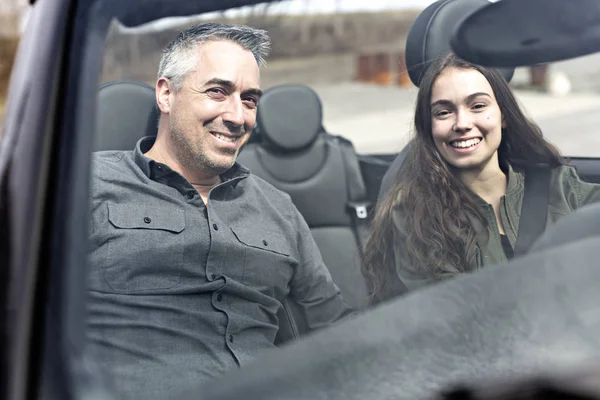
(515, 181)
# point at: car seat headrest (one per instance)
(430, 34)
(290, 116)
(255, 137)
(126, 112)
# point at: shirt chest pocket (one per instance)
(145, 247)
(267, 262)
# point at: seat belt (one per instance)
(358, 207)
(534, 209)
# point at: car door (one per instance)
(44, 178)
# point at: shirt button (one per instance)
(219, 297)
(216, 228)
(265, 242)
(190, 195)
(147, 220)
(213, 276)
(230, 338)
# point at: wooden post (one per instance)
(382, 74)
(364, 68)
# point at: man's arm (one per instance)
(312, 286)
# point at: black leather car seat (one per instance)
(126, 111)
(321, 174)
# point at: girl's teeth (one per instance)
(466, 143)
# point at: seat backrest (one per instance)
(390, 176)
(298, 157)
(126, 112)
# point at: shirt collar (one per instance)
(153, 169)
(143, 162)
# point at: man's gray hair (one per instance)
(179, 58)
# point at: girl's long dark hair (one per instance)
(434, 203)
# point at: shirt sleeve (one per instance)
(312, 286)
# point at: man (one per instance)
(191, 254)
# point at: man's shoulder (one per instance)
(276, 197)
(108, 156)
(103, 161)
(110, 167)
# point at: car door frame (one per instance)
(44, 187)
(29, 126)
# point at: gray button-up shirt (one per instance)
(182, 292)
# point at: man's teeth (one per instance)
(466, 143)
(225, 138)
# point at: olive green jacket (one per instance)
(567, 193)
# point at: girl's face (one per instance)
(465, 118)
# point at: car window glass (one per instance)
(354, 60)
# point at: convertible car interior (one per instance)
(530, 328)
(335, 189)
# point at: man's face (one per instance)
(212, 115)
